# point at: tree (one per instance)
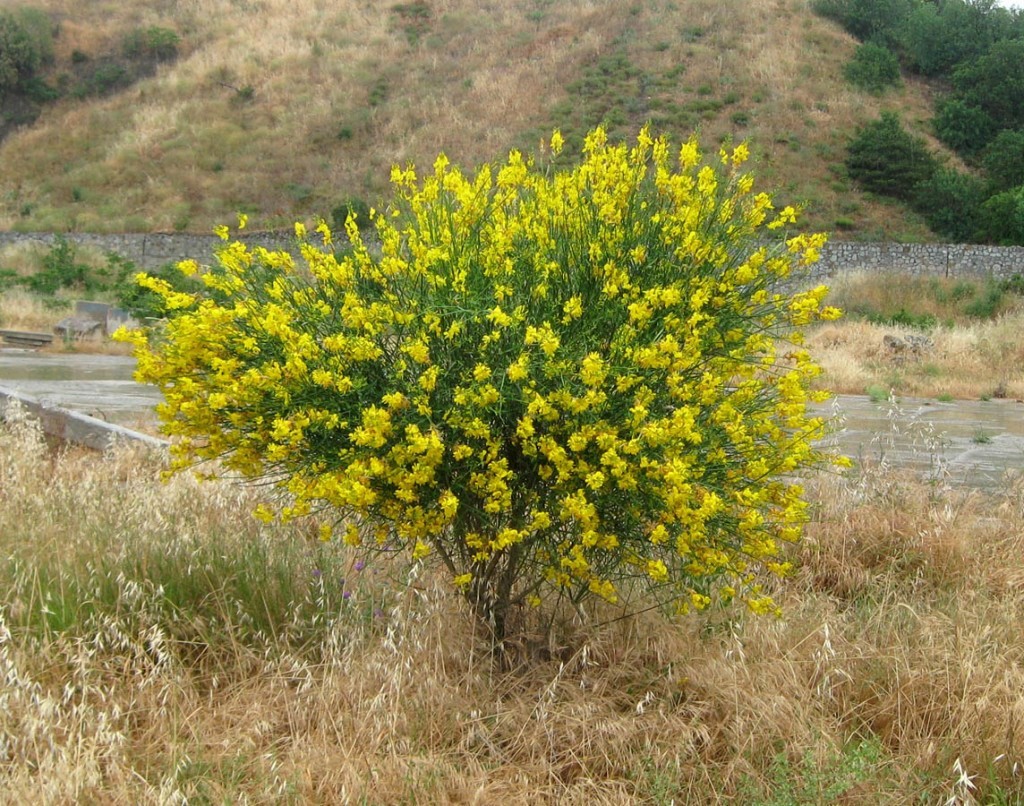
(549, 383)
(884, 158)
(994, 83)
(938, 37)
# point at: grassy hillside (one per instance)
(286, 109)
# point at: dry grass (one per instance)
(966, 359)
(20, 310)
(340, 94)
(157, 644)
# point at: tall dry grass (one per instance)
(159, 645)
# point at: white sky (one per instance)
(1010, 3)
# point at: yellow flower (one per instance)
(557, 142)
(263, 513)
(573, 309)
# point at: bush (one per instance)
(350, 207)
(877, 20)
(965, 128)
(60, 270)
(987, 304)
(154, 42)
(1003, 160)
(542, 382)
(936, 38)
(1002, 218)
(886, 159)
(26, 43)
(950, 202)
(874, 68)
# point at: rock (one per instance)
(894, 344)
(913, 344)
(919, 344)
(76, 327)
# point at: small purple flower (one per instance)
(360, 565)
(378, 613)
(346, 595)
(317, 573)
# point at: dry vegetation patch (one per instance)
(159, 643)
(953, 338)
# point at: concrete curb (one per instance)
(72, 426)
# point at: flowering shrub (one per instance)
(542, 379)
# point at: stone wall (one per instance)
(150, 251)
(933, 260)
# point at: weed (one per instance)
(877, 394)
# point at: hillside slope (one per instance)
(286, 109)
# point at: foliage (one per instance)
(874, 68)
(904, 318)
(950, 202)
(1003, 159)
(936, 38)
(985, 305)
(963, 127)
(61, 269)
(153, 42)
(1002, 217)
(560, 381)
(351, 206)
(977, 49)
(141, 302)
(876, 20)
(884, 158)
(994, 83)
(26, 42)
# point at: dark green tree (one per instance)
(886, 159)
(995, 83)
(936, 37)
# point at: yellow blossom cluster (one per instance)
(539, 377)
